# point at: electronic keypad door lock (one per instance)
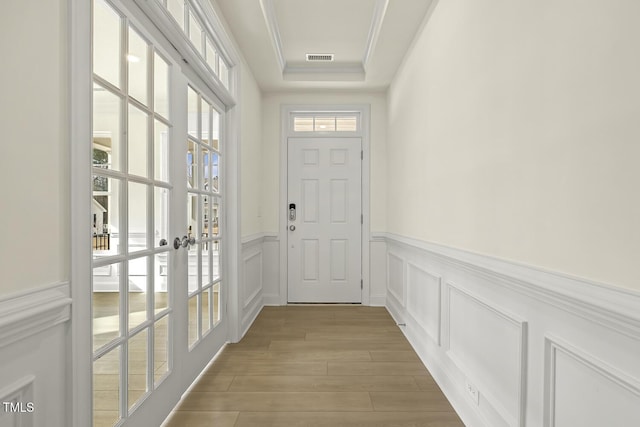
(292, 212)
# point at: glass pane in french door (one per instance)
(130, 208)
(204, 202)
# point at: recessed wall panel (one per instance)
(487, 346)
(395, 269)
(423, 300)
(605, 397)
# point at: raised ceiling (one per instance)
(368, 38)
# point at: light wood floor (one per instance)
(317, 366)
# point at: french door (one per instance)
(156, 213)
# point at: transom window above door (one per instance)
(323, 122)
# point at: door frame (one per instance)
(286, 132)
(79, 106)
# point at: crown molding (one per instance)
(379, 12)
(269, 12)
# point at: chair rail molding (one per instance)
(613, 307)
(33, 311)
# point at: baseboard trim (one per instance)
(33, 311)
(271, 299)
(251, 316)
(436, 364)
(377, 300)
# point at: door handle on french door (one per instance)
(185, 242)
(292, 227)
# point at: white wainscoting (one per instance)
(513, 345)
(33, 355)
(378, 271)
(569, 370)
(251, 280)
(271, 270)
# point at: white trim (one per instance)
(377, 300)
(286, 131)
(552, 346)
(522, 359)
(401, 299)
(256, 238)
(232, 211)
(438, 336)
(21, 392)
(183, 46)
(417, 35)
(379, 12)
(612, 307)
(34, 311)
(378, 237)
(254, 294)
(214, 25)
(438, 365)
(327, 73)
(269, 12)
(80, 125)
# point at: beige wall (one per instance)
(34, 150)
(271, 123)
(251, 164)
(513, 131)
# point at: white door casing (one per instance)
(325, 238)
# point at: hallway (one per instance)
(317, 365)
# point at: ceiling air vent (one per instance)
(319, 57)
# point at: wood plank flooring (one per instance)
(317, 366)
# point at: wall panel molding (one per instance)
(33, 311)
(20, 392)
(252, 266)
(499, 363)
(495, 365)
(627, 388)
(35, 356)
(396, 277)
(252, 279)
(425, 288)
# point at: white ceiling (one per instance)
(368, 38)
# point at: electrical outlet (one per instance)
(473, 392)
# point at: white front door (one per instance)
(324, 220)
